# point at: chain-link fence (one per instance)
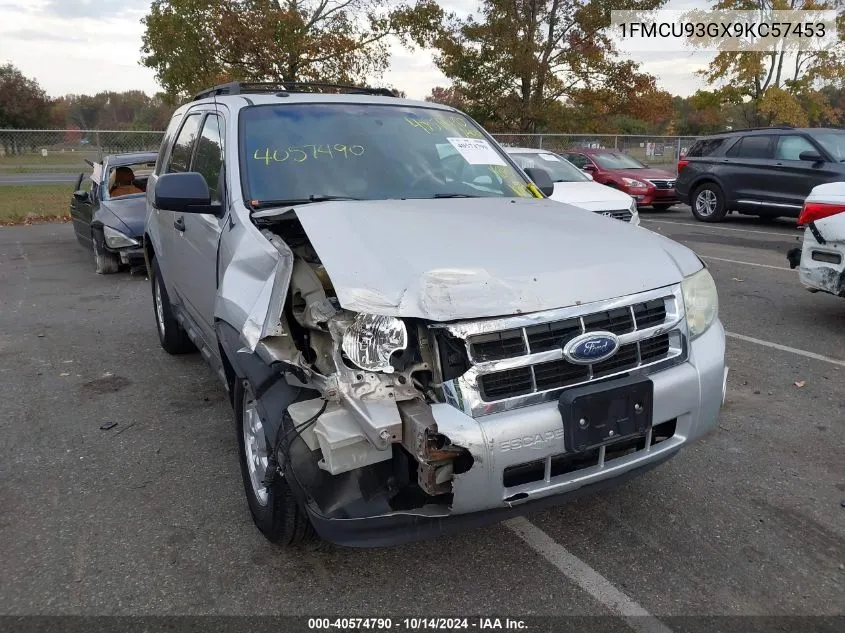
(657, 151)
(65, 151)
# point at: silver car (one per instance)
(414, 339)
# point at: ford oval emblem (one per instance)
(592, 347)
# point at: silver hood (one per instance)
(443, 260)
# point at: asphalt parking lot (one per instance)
(149, 517)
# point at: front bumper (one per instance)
(823, 276)
(132, 256)
(688, 396)
(657, 196)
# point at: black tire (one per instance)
(662, 207)
(105, 262)
(171, 335)
(708, 203)
(276, 513)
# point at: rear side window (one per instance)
(758, 146)
(165, 142)
(705, 147)
(790, 147)
(180, 157)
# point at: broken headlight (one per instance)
(372, 339)
(116, 239)
(701, 301)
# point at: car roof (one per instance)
(116, 160)
(239, 101)
(595, 150)
(756, 131)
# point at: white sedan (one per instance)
(821, 258)
(575, 187)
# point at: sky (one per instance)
(88, 46)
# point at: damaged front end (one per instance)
(361, 440)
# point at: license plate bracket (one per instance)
(607, 412)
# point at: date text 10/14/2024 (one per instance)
(417, 624)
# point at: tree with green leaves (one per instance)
(192, 44)
(515, 61)
(23, 103)
(768, 85)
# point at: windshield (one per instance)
(559, 169)
(370, 152)
(833, 142)
(615, 160)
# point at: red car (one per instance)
(649, 187)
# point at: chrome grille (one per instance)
(663, 184)
(518, 361)
(618, 214)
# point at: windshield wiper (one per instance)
(454, 195)
(265, 204)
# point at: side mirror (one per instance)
(811, 155)
(542, 179)
(184, 193)
(81, 196)
(589, 167)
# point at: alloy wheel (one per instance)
(256, 451)
(706, 202)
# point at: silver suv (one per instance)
(413, 338)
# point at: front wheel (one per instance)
(105, 262)
(708, 203)
(274, 509)
(172, 336)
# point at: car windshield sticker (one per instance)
(550, 157)
(476, 151)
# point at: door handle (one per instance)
(179, 224)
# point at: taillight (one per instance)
(682, 163)
(814, 211)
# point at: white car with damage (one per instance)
(821, 258)
(412, 340)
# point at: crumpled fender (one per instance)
(251, 293)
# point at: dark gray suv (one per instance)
(762, 171)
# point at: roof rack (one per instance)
(754, 129)
(238, 87)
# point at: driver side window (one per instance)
(180, 156)
(579, 160)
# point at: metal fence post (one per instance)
(616, 142)
(99, 145)
(541, 142)
(678, 153)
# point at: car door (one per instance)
(796, 177)
(195, 248)
(80, 210)
(747, 171)
(167, 237)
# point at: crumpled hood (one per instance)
(591, 195)
(482, 257)
(127, 215)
